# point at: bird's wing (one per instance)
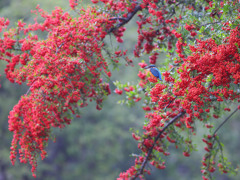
(156, 73)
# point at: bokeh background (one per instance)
(98, 146)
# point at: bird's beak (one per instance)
(146, 67)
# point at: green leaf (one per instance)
(202, 29)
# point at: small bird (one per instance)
(154, 71)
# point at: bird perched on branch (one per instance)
(154, 71)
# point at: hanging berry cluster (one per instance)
(63, 72)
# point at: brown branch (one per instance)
(125, 20)
(155, 141)
(118, 18)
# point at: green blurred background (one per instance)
(98, 145)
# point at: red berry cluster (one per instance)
(63, 73)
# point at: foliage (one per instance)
(72, 66)
(80, 150)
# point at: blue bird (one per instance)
(154, 71)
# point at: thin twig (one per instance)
(28, 90)
(225, 121)
(215, 132)
(215, 138)
(59, 47)
(169, 103)
(209, 24)
(155, 141)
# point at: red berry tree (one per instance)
(71, 66)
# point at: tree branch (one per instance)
(155, 141)
(118, 18)
(125, 20)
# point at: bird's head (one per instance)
(150, 66)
